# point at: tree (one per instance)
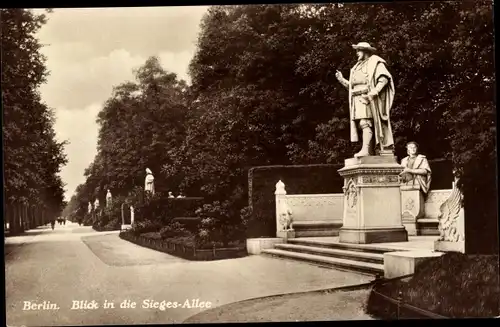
(32, 156)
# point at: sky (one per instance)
(90, 50)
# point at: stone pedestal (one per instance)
(372, 201)
(402, 263)
(286, 234)
(413, 207)
(448, 246)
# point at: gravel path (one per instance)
(314, 306)
(75, 263)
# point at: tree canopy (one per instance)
(264, 92)
(32, 155)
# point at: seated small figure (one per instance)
(171, 195)
(416, 169)
(286, 218)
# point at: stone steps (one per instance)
(336, 253)
(316, 228)
(379, 248)
(367, 268)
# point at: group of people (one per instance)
(60, 220)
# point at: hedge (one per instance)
(307, 179)
(164, 209)
(184, 249)
(455, 286)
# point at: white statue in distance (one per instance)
(149, 185)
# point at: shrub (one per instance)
(221, 222)
(175, 229)
(454, 285)
(145, 226)
(163, 209)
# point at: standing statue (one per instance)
(89, 207)
(371, 93)
(416, 169)
(96, 204)
(109, 198)
(131, 215)
(149, 185)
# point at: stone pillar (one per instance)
(451, 224)
(413, 207)
(372, 201)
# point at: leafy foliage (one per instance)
(32, 156)
(264, 93)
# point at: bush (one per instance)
(220, 222)
(145, 226)
(189, 223)
(163, 209)
(174, 229)
(454, 285)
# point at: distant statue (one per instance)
(131, 215)
(89, 207)
(96, 204)
(109, 199)
(371, 94)
(416, 169)
(171, 195)
(180, 196)
(149, 185)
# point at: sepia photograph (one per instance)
(242, 163)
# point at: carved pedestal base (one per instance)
(412, 207)
(372, 201)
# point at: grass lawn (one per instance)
(314, 306)
(455, 285)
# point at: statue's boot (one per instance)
(367, 138)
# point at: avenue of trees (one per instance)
(32, 157)
(263, 92)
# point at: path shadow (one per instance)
(30, 232)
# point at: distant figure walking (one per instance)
(52, 223)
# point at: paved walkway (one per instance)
(75, 263)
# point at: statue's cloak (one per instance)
(380, 105)
(149, 183)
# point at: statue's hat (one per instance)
(363, 46)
